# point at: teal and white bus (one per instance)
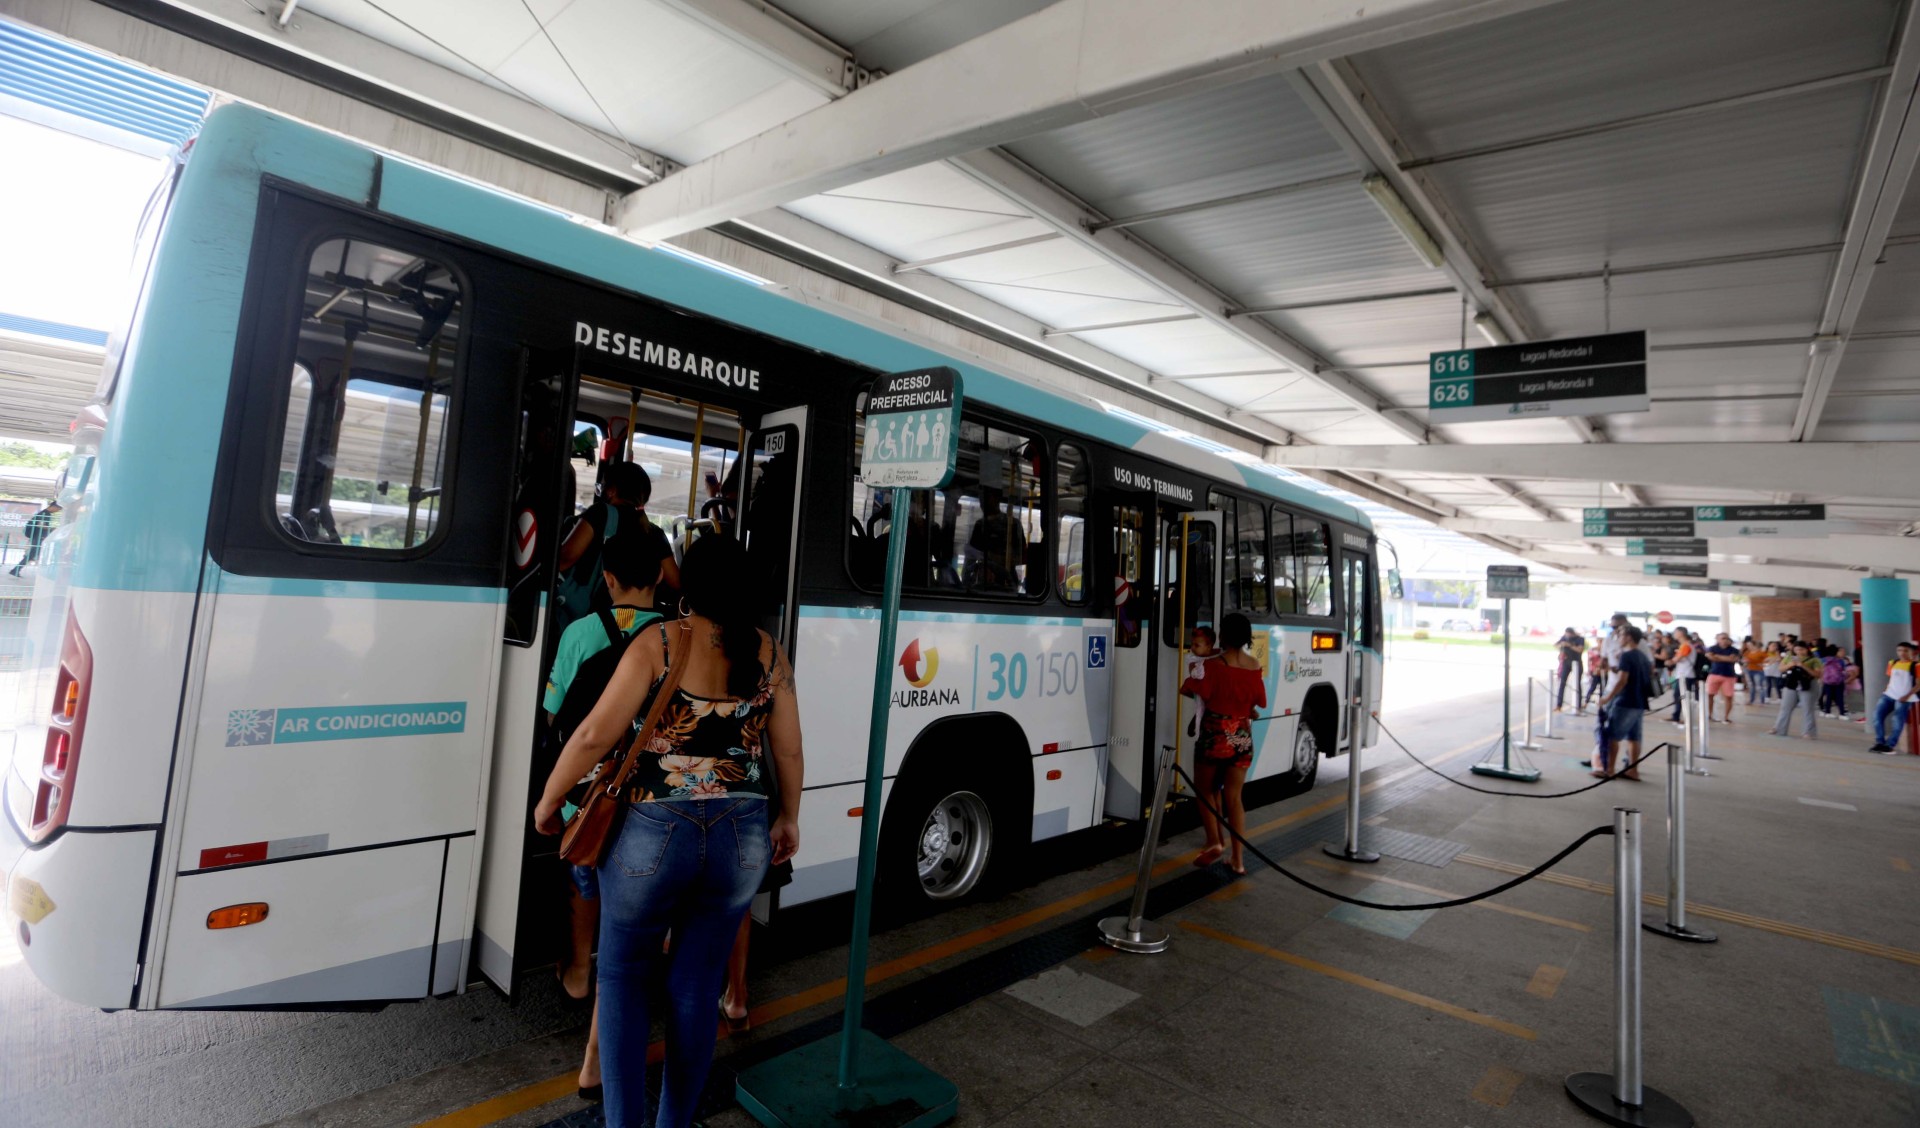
(277, 737)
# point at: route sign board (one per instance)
(1571, 376)
(912, 429)
(1761, 520)
(1657, 521)
(1696, 571)
(1694, 585)
(1692, 546)
(1507, 581)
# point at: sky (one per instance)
(69, 208)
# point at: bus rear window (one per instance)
(363, 454)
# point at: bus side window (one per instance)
(1251, 579)
(1284, 572)
(1310, 562)
(363, 453)
(1071, 490)
(1132, 593)
(1230, 551)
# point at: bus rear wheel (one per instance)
(939, 842)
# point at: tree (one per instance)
(16, 453)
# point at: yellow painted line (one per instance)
(1843, 781)
(1497, 1086)
(1546, 981)
(1358, 980)
(1237, 889)
(1856, 760)
(508, 1104)
(1902, 865)
(1099, 952)
(1730, 916)
(1449, 894)
(553, 1088)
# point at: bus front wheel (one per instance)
(940, 838)
(1306, 755)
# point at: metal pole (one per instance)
(1134, 932)
(1676, 923)
(1706, 723)
(1554, 700)
(856, 998)
(1355, 723)
(1623, 1098)
(1626, 956)
(1506, 664)
(1528, 743)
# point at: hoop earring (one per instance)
(685, 611)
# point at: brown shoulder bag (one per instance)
(594, 826)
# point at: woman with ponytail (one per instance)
(698, 836)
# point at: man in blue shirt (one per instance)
(1626, 703)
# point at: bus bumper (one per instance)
(74, 908)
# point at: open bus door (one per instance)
(1171, 584)
(1360, 599)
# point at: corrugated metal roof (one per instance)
(44, 71)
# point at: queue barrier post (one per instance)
(1689, 721)
(1706, 723)
(1675, 925)
(1527, 732)
(1553, 704)
(1134, 932)
(1351, 850)
(1622, 1097)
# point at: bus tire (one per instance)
(948, 835)
(1305, 764)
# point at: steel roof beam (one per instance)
(1072, 330)
(1275, 192)
(976, 252)
(1070, 62)
(1886, 165)
(1876, 470)
(1656, 117)
(1364, 299)
(1815, 578)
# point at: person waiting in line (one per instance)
(1723, 674)
(1680, 670)
(1800, 674)
(1625, 707)
(621, 506)
(1753, 659)
(1903, 689)
(1233, 692)
(697, 837)
(1771, 671)
(1833, 683)
(583, 663)
(1596, 675)
(1570, 647)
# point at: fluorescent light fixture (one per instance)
(1403, 219)
(1490, 329)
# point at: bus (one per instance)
(277, 741)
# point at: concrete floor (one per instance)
(1274, 1005)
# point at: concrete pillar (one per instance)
(1886, 620)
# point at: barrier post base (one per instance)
(1593, 1092)
(1680, 932)
(1354, 855)
(1117, 932)
(1524, 775)
(799, 1089)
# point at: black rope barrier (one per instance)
(1200, 798)
(1457, 781)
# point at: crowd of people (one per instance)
(1627, 669)
(711, 811)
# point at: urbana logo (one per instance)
(920, 667)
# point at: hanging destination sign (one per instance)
(1697, 571)
(1668, 521)
(1761, 520)
(912, 429)
(1696, 546)
(1572, 376)
(1507, 581)
(1694, 585)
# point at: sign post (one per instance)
(912, 437)
(1574, 376)
(1509, 582)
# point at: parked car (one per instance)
(1459, 625)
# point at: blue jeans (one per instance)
(691, 866)
(1886, 734)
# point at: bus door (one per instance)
(1128, 556)
(1190, 597)
(768, 519)
(1364, 670)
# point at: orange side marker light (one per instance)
(238, 916)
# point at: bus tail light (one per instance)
(53, 796)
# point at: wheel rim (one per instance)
(1306, 750)
(954, 844)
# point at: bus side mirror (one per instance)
(1394, 587)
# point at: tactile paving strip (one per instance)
(1410, 847)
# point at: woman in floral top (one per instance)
(1233, 690)
(698, 836)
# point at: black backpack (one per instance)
(591, 679)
